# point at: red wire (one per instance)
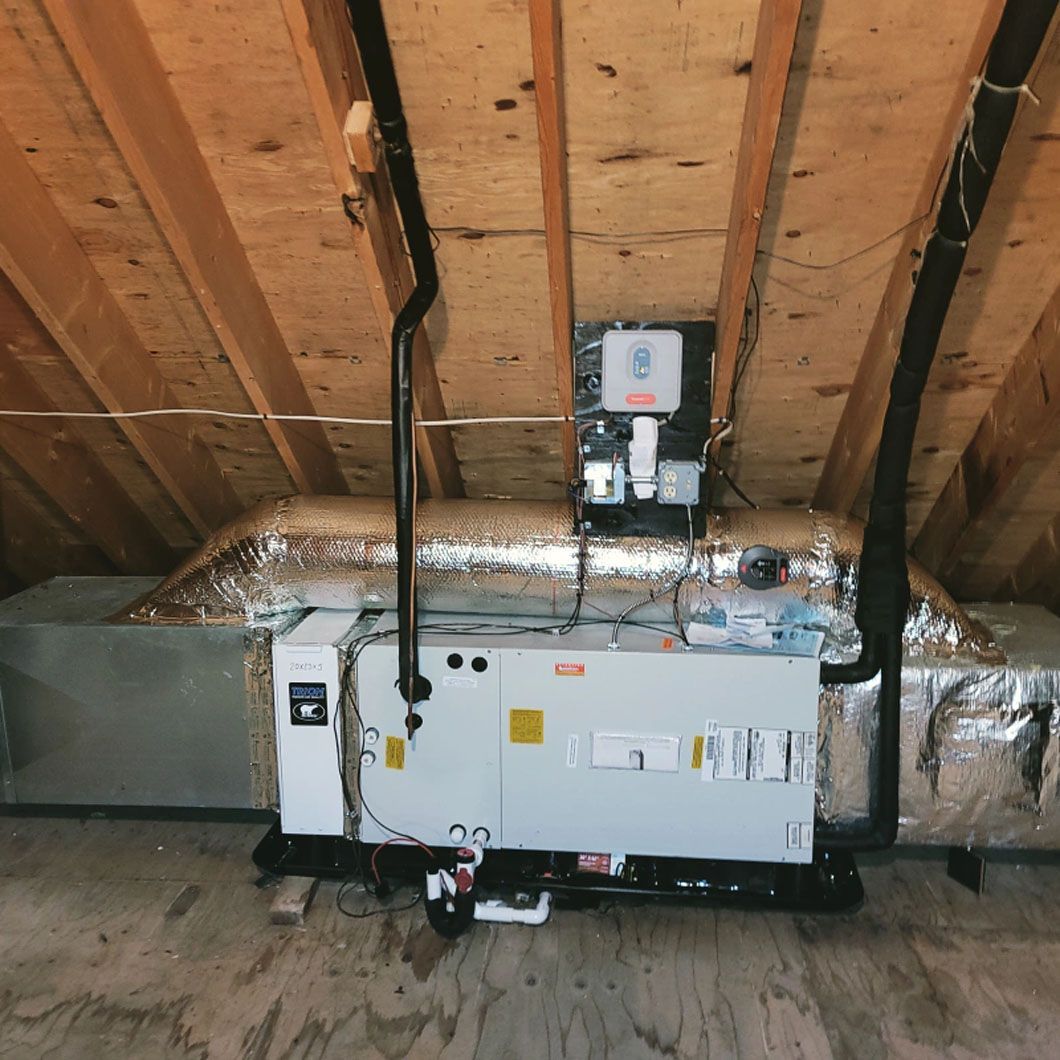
(397, 839)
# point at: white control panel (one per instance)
(641, 371)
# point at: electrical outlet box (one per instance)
(641, 371)
(678, 482)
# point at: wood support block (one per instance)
(359, 134)
(293, 899)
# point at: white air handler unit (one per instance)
(537, 742)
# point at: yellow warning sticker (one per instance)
(697, 753)
(395, 752)
(526, 726)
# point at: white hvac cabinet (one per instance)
(659, 752)
(556, 743)
(306, 670)
(446, 779)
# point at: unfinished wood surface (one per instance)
(95, 964)
(546, 43)
(857, 433)
(326, 51)
(112, 50)
(868, 95)
(294, 896)
(468, 97)
(37, 541)
(55, 454)
(1024, 416)
(241, 88)
(1011, 271)
(1036, 577)
(53, 119)
(45, 263)
(778, 21)
(654, 106)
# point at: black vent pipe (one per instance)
(883, 576)
(366, 17)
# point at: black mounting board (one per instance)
(681, 437)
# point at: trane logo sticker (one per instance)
(570, 669)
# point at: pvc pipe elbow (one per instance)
(505, 914)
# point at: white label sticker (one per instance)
(710, 751)
(572, 750)
(805, 836)
(795, 773)
(793, 835)
(769, 754)
(452, 681)
(731, 762)
(809, 771)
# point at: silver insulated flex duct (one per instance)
(521, 558)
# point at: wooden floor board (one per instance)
(143, 939)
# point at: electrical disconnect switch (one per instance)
(678, 482)
(605, 482)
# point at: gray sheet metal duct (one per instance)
(521, 558)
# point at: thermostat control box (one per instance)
(641, 371)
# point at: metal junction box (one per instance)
(556, 743)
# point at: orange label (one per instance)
(668, 643)
(640, 399)
(570, 669)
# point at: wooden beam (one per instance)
(35, 548)
(858, 433)
(1036, 578)
(546, 42)
(331, 68)
(53, 454)
(778, 21)
(113, 53)
(1024, 417)
(45, 263)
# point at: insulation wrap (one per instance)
(521, 558)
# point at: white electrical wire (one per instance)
(280, 417)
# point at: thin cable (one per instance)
(671, 586)
(278, 417)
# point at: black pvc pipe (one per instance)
(369, 28)
(883, 576)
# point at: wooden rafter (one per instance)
(47, 266)
(1024, 417)
(1037, 575)
(53, 454)
(35, 548)
(546, 42)
(331, 68)
(857, 434)
(778, 21)
(114, 55)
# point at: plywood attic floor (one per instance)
(140, 939)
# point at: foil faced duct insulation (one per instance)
(979, 754)
(521, 558)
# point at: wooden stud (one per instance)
(45, 263)
(113, 53)
(778, 21)
(359, 132)
(546, 41)
(857, 434)
(53, 454)
(1023, 418)
(331, 68)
